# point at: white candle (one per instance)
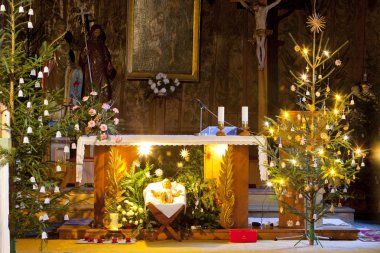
(244, 114)
(221, 114)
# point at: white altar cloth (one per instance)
(172, 140)
(167, 209)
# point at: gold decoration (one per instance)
(116, 171)
(225, 192)
(316, 23)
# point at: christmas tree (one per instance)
(311, 156)
(34, 191)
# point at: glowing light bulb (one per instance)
(282, 182)
(326, 53)
(305, 51)
(336, 111)
(220, 149)
(358, 151)
(271, 131)
(338, 97)
(269, 184)
(332, 172)
(144, 149)
(286, 115)
(304, 77)
(266, 123)
(321, 152)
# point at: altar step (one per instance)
(262, 203)
(83, 204)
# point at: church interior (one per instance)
(189, 125)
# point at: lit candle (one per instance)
(221, 114)
(244, 114)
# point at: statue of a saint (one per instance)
(260, 11)
(95, 60)
(166, 196)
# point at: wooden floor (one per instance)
(171, 246)
(335, 233)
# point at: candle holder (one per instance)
(245, 131)
(220, 132)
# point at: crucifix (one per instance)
(84, 18)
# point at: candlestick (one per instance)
(244, 114)
(245, 131)
(220, 132)
(221, 115)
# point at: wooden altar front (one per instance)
(128, 145)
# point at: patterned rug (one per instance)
(369, 235)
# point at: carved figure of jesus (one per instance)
(166, 196)
(260, 11)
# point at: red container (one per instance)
(243, 235)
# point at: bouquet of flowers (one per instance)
(162, 85)
(132, 214)
(94, 117)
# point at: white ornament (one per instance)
(343, 116)
(76, 127)
(353, 163)
(46, 70)
(280, 145)
(73, 145)
(47, 201)
(332, 190)
(2, 8)
(30, 12)
(37, 85)
(352, 102)
(67, 201)
(326, 181)
(45, 217)
(20, 94)
(58, 134)
(298, 223)
(40, 75)
(293, 87)
(33, 72)
(56, 189)
(318, 94)
(46, 102)
(32, 180)
(28, 104)
(21, 9)
(42, 190)
(345, 190)
(30, 25)
(66, 217)
(46, 113)
(66, 149)
(44, 236)
(362, 164)
(314, 216)
(300, 196)
(35, 187)
(271, 164)
(303, 99)
(58, 168)
(21, 80)
(29, 130)
(307, 93)
(327, 127)
(26, 140)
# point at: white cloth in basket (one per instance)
(167, 209)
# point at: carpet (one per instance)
(369, 235)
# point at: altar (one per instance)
(128, 145)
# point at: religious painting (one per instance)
(163, 36)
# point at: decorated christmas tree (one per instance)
(312, 157)
(35, 196)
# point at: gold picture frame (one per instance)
(163, 36)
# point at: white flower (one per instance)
(141, 210)
(164, 75)
(150, 82)
(153, 86)
(130, 213)
(141, 221)
(124, 213)
(163, 90)
(172, 88)
(147, 174)
(118, 207)
(155, 90)
(124, 219)
(136, 223)
(166, 81)
(159, 75)
(134, 208)
(159, 83)
(130, 221)
(176, 82)
(158, 172)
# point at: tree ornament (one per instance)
(37, 84)
(331, 208)
(47, 201)
(33, 72)
(303, 99)
(46, 113)
(66, 217)
(29, 130)
(30, 12)
(58, 168)
(338, 62)
(358, 167)
(76, 127)
(345, 190)
(20, 94)
(45, 217)
(73, 145)
(32, 179)
(307, 92)
(343, 116)
(328, 89)
(40, 75)
(283, 165)
(21, 9)
(352, 102)
(66, 149)
(42, 190)
(326, 181)
(2, 8)
(21, 81)
(314, 216)
(318, 94)
(362, 164)
(25, 140)
(44, 236)
(46, 102)
(316, 22)
(332, 190)
(46, 70)
(30, 25)
(56, 189)
(58, 134)
(300, 196)
(35, 187)
(293, 87)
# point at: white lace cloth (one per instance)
(172, 140)
(167, 209)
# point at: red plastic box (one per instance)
(243, 235)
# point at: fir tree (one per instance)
(34, 192)
(312, 155)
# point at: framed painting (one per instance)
(163, 36)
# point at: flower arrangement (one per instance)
(162, 85)
(94, 117)
(132, 214)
